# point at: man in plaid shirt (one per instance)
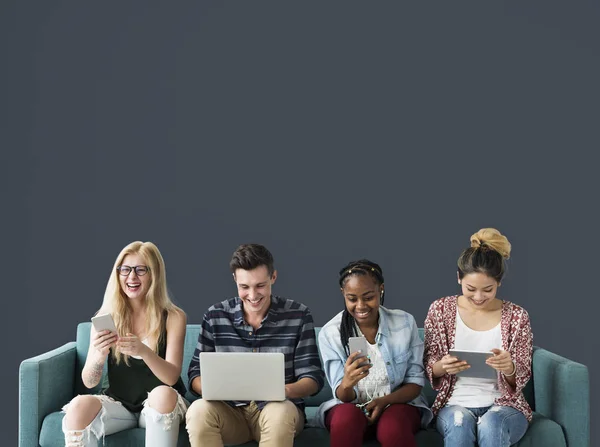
(255, 321)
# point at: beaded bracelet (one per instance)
(513, 371)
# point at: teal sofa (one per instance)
(559, 394)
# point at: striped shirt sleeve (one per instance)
(205, 344)
(306, 356)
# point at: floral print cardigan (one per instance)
(517, 339)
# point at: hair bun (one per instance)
(492, 239)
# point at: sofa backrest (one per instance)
(191, 339)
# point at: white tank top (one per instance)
(470, 392)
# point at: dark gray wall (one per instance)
(325, 131)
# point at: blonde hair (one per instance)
(157, 299)
(491, 238)
(488, 252)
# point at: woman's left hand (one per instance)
(501, 361)
(374, 409)
(131, 345)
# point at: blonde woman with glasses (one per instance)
(143, 386)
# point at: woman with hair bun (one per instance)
(380, 398)
(476, 411)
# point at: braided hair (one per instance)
(361, 267)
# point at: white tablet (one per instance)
(476, 359)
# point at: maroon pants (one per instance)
(396, 427)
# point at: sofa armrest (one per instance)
(562, 393)
(46, 383)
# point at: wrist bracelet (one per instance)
(513, 371)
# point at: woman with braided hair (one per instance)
(381, 398)
(476, 411)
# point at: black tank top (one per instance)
(131, 384)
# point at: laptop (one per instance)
(243, 376)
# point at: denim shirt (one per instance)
(400, 346)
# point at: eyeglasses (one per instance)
(140, 270)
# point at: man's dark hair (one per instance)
(251, 256)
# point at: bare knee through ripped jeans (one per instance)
(162, 430)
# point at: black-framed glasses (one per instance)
(140, 270)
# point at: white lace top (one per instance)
(377, 383)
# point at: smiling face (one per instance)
(134, 286)
(479, 290)
(254, 289)
(362, 295)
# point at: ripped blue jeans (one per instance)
(162, 430)
(495, 426)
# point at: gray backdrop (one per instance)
(325, 131)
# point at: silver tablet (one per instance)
(476, 359)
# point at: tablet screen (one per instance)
(476, 359)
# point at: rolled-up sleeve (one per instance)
(333, 362)
(306, 355)
(415, 373)
(521, 353)
(205, 344)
